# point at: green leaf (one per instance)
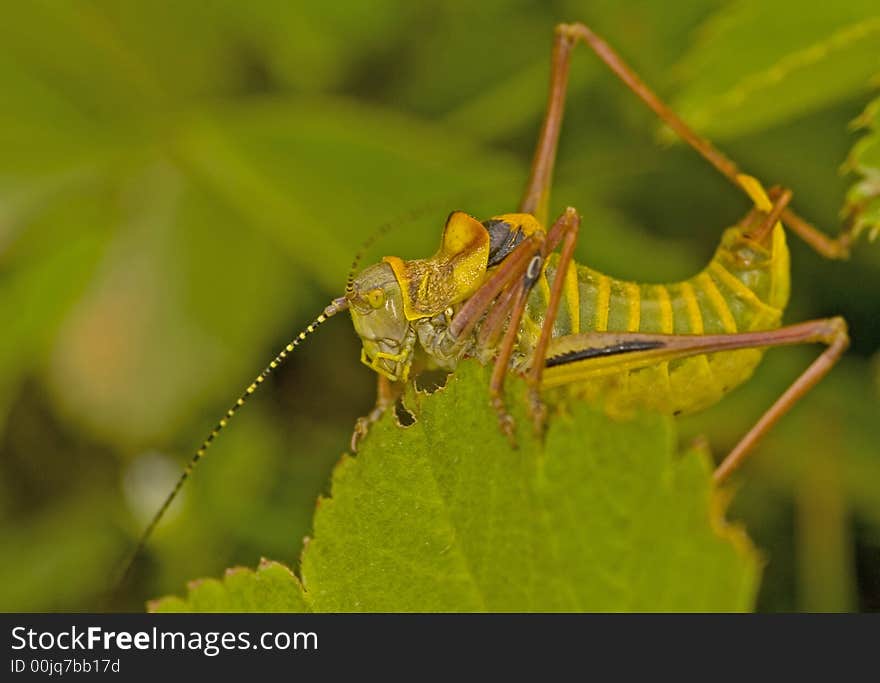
(863, 199)
(444, 516)
(759, 63)
(271, 588)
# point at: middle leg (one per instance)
(564, 230)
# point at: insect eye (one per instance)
(375, 297)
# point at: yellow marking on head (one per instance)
(375, 364)
(634, 294)
(603, 303)
(460, 232)
(695, 318)
(664, 302)
(375, 297)
(573, 297)
(465, 246)
(423, 289)
(755, 190)
(430, 286)
(718, 302)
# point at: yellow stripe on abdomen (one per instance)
(719, 305)
(573, 297)
(634, 294)
(603, 303)
(664, 304)
(692, 306)
(739, 289)
(656, 310)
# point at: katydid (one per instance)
(507, 291)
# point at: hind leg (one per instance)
(829, 247)
(536, 197)
(589, 355)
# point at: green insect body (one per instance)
(745, 287)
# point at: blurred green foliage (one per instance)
(184, 184)
(863, 198)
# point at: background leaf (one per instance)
(863, 199)
(817, 54)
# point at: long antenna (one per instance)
(335, 307)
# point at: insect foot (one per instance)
(506, 423)
(538, 411)
(361, 427)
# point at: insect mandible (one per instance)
(507, 291)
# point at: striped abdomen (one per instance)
(744, 288)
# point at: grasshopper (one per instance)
(507, 291)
